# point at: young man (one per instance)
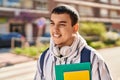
(66, 47)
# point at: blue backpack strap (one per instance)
(42, 60)
(85, 55)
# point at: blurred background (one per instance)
(24, 33)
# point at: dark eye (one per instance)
(51, 23)
(62, 25)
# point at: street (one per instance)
(26, 71)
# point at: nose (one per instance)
(55, 28)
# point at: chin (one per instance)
(57, 41)
(58, 44)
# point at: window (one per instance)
(104, 12)
(85, 0)
(113, 14)
(3, 28)
(104, 1)
(41, 5)
(12, 3)
(85, 11)
(29, 4)
(115, 1)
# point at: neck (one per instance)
(69, 43)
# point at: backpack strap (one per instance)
(42, 61)
(85, 55)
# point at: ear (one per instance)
(75, 27)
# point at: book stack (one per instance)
(78, 71)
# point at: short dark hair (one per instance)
(69, 10)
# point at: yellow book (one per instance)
(77, 75)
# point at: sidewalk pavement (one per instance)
(7, 59)
(112, 58)
(22, 71)
(16, 67)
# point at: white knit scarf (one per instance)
(68, 51)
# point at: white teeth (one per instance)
(56, 35)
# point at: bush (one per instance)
(92, 29)
(30, 51)
(117, 43)
(33, 51)
(97, 44)
(90, 39)
(17, 50)
(110, 38)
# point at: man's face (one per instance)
(61, 29)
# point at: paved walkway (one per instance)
(7, 59)
(23, 71)
(112, 57)
(16, 67)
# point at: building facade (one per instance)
(106, 11)
(21, 15)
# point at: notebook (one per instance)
(78, 71)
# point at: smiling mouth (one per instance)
(56, 35)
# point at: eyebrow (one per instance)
(59, 22)
(63, 22)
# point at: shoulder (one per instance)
(43, 54)
(42, 57)
(95, 55)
